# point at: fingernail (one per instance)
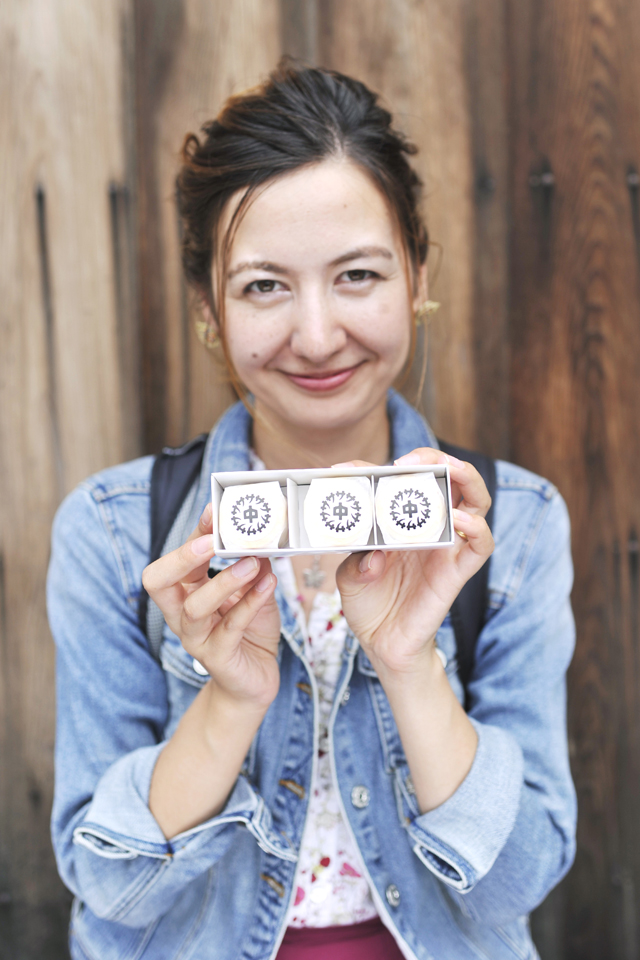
(365, 563)
(264, 584)
(453, 460)
(203, 545)
(206, 515)
(244, 567)
(347, 463)
(407, 460)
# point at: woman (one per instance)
(297, 776)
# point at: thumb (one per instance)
(359, 570)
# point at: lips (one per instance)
(320, 382)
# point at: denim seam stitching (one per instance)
(134, 895)
(101, 493)
(380, 724)
(190, 937)
(501, 932)
(87, 828)
(115, 547)
(544, 489)
(517, 575)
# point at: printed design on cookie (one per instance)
(340, 511)
(410, 509)
(250, 515)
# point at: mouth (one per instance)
(324, 381)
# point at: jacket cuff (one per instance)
(118, 824)
(460, 840)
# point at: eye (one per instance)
(358, 276)
(263, 286)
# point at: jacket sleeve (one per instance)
(111, 714)
(506, 836)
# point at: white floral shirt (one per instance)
(332, 889)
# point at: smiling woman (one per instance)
(298, 775)
(333, 310)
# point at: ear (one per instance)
(421, 287)
(207, 313)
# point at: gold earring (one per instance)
(207, 334)
(425, 310)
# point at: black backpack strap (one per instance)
(173, 476)
(468, 613)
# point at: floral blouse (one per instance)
(332, 889)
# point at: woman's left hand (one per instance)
(394, 602)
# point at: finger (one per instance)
(204, 602)
(265, 567)
(229, 631)
(467, 484)
(420, 456)
(204, 524)
(359, 569)
(475, 539)
(187, 563)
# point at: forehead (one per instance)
(315, 212)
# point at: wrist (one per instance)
(226, 716)
(417, 670)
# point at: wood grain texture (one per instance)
(60, 393)
(576, 366)
(485, 73)
(413, 54)
(526, 113)
(203, 53)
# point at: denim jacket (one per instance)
(456, 883)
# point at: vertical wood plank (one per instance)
(576, 366)
(414, 55)
(202, 52)
(60, 393)
(485, 72)
(442, 70)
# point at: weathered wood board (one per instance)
(61, 391)
(191, 56)
(575, 139)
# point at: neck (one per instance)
(283, 446)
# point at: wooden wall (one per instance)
(526, 115)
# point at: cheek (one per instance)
(252, 342)
(388, 333)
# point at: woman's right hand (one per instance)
(230, 623)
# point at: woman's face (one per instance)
(318, 313)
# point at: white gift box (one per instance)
(295, 486)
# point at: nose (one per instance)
(317, 333)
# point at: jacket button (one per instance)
(346, 695)
(360, 797)
(197, 666)
(393, 895)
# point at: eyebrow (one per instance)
(269, 267)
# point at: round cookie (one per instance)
(410, 508)
(338, 512)
(253, 516)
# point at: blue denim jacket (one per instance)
(451, 884)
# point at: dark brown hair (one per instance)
(297, 117)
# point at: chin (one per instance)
(329, 413)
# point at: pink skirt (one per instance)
(359, 941)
